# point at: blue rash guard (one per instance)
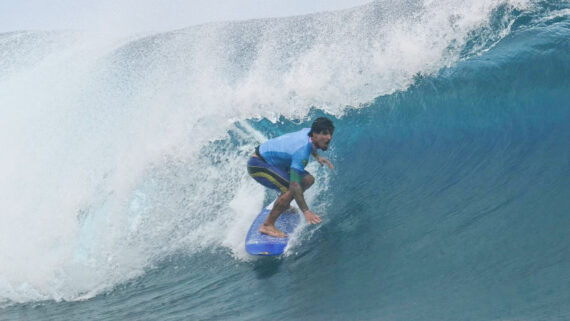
(289, 152)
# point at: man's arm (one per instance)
(295, 186)
(296, 189)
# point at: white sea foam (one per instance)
(116, 154)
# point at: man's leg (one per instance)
(281, 204)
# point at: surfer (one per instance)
(279, 163)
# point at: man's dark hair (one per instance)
(321, 124)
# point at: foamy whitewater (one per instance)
(124, 193)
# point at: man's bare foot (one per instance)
(271, 231)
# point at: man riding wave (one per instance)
(279, 164)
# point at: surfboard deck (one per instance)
(262, 244)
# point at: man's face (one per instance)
(322, 139)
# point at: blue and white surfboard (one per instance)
(262, 244)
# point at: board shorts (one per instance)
(269, 175)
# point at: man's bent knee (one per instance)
(308, 181)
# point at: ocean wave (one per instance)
(123, 152)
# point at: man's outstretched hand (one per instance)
(323, 160)
(311, 217)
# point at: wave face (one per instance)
(125, 195)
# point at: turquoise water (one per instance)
(128, 199)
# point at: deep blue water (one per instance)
(450, 200)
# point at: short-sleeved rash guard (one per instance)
(288, 151)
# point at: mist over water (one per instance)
(120, 154)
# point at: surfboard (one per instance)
(262, 244)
